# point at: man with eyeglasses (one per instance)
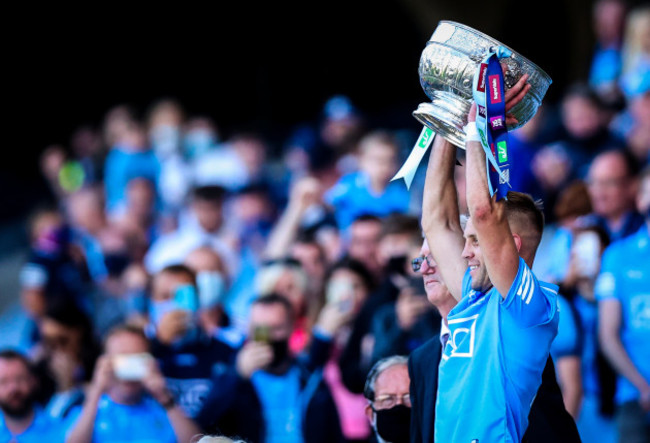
(548, 418)
(389, 400)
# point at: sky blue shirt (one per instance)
(281, 405)
(568, 341)
(492, 364)
(145, 422)
(44, 429)
(625, 277)
(352, 197)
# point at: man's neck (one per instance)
(446, 307)
(124, 399)
(18, 425)
(615, 222)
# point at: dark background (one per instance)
(263, 66)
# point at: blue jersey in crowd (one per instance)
(492, 364)
(281, 404)
(568, 341)
(44, 429)
(352, 197)
(625, 276)
(144, 422)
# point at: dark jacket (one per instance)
(233, 407)
(548, 420)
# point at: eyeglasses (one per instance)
(388, 401)
(416, 263)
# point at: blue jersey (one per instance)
(492, 364)
(352, 197)
(625, 277)
(42, 429)
(144, 422)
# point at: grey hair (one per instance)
(377, 369)
(214, 439)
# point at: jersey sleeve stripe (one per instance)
(528, 279)
(521, 283)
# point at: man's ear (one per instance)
(517, 241)
(369, 413)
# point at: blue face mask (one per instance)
(211, 286)
(197, 142)
(157, 309)
(184, 298)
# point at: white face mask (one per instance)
(211, 286)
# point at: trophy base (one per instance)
(446, 115)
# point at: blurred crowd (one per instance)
(196, 284)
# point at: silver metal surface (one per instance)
(447, 67)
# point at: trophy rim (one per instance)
(487, 37)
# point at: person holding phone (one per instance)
(128, 398)
(269, 394)
(187, 355)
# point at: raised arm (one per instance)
(304, 193)
(441, 216)
(498, 246)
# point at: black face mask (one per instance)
(393, 425)
(280, 353)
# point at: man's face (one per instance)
(609, 186)
(394, 381)
(273, 317)
(123, 343)
(472, 253)
(16, 388)
(364, 240)
(436, 290)
(581, 118)
(208, 214)
(165, 283)
(379, 162)
(311, 259)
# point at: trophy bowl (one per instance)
(447, 67)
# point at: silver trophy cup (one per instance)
(447, 67)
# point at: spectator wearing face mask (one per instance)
(271, 394)
(188, 357)
(389, 399)
(212, 285)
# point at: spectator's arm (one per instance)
(82, 432)
(569, 374)
(609, 332)
(304, 193)
(441, 215)
(155, 384)
(489, 216)
(184, 427)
